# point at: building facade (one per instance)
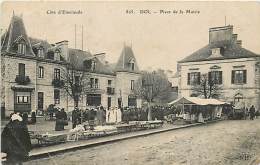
(31, 74)
(234, 69)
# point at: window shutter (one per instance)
(220, 77)
(198, 82)
(233, 77)
(244, 76)
(209, 77)
(21, 69)
(188, 82)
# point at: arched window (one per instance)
(238, 98)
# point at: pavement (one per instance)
(41, 152)
(43, 126)
(229, 142)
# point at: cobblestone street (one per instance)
(222, 143)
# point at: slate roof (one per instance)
(229, 50)
(123, 62)
(78, 57)
(16, 31)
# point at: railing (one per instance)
(22, 80)
(57, 83)
(110, 90)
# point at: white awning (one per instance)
(197, 101)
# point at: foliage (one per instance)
(207, 88)
(152, 85)
(75, 82)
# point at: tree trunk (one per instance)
(149, 112)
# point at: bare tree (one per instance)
(75, 82)
(151, 85)
(207, 87)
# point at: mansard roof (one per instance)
(15, 33)
(78, 57)
(126, 57)
(228, 51)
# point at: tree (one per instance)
(74, 81)
(207, 87)
(151, 85)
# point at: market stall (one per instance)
(194, 109)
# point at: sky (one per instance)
(158, 40)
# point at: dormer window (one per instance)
(21, 48)
(132, 64)
(94, 64)
(40, 52)
(57, 55)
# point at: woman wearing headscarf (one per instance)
(15, 141)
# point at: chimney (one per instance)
(101, 57)
(63, 45)
(239, 43)
(220, 34)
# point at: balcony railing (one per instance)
(110, 90)
(57, 83)
(22, 80)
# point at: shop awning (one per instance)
(197, 101)
(24, 88)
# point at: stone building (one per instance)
(235, 69)
(31, 72)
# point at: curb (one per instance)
(34, 156)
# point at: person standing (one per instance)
(252, 112)
(15, 141)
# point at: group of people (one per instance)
(15, 139)
(61, 119)
(89, 115)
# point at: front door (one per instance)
(40, 100)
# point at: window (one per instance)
(132, 66)
(132, 101)
(96, 83)
(41, 72)
(23, 97)
(193, 78)
(94, 64)
(91, 82)
(56, 96)
(40, 52)
(94, 99)
(57, 55)
(109, 82)
(21, 69)
(215, 76)
(238, 77)
(56, 74)
(238, 98)
(21, 48)
(132, 84)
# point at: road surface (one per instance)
(231, 142)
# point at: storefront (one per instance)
(22, 98)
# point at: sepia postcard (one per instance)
(130, 82)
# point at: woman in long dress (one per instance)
(15, 141)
